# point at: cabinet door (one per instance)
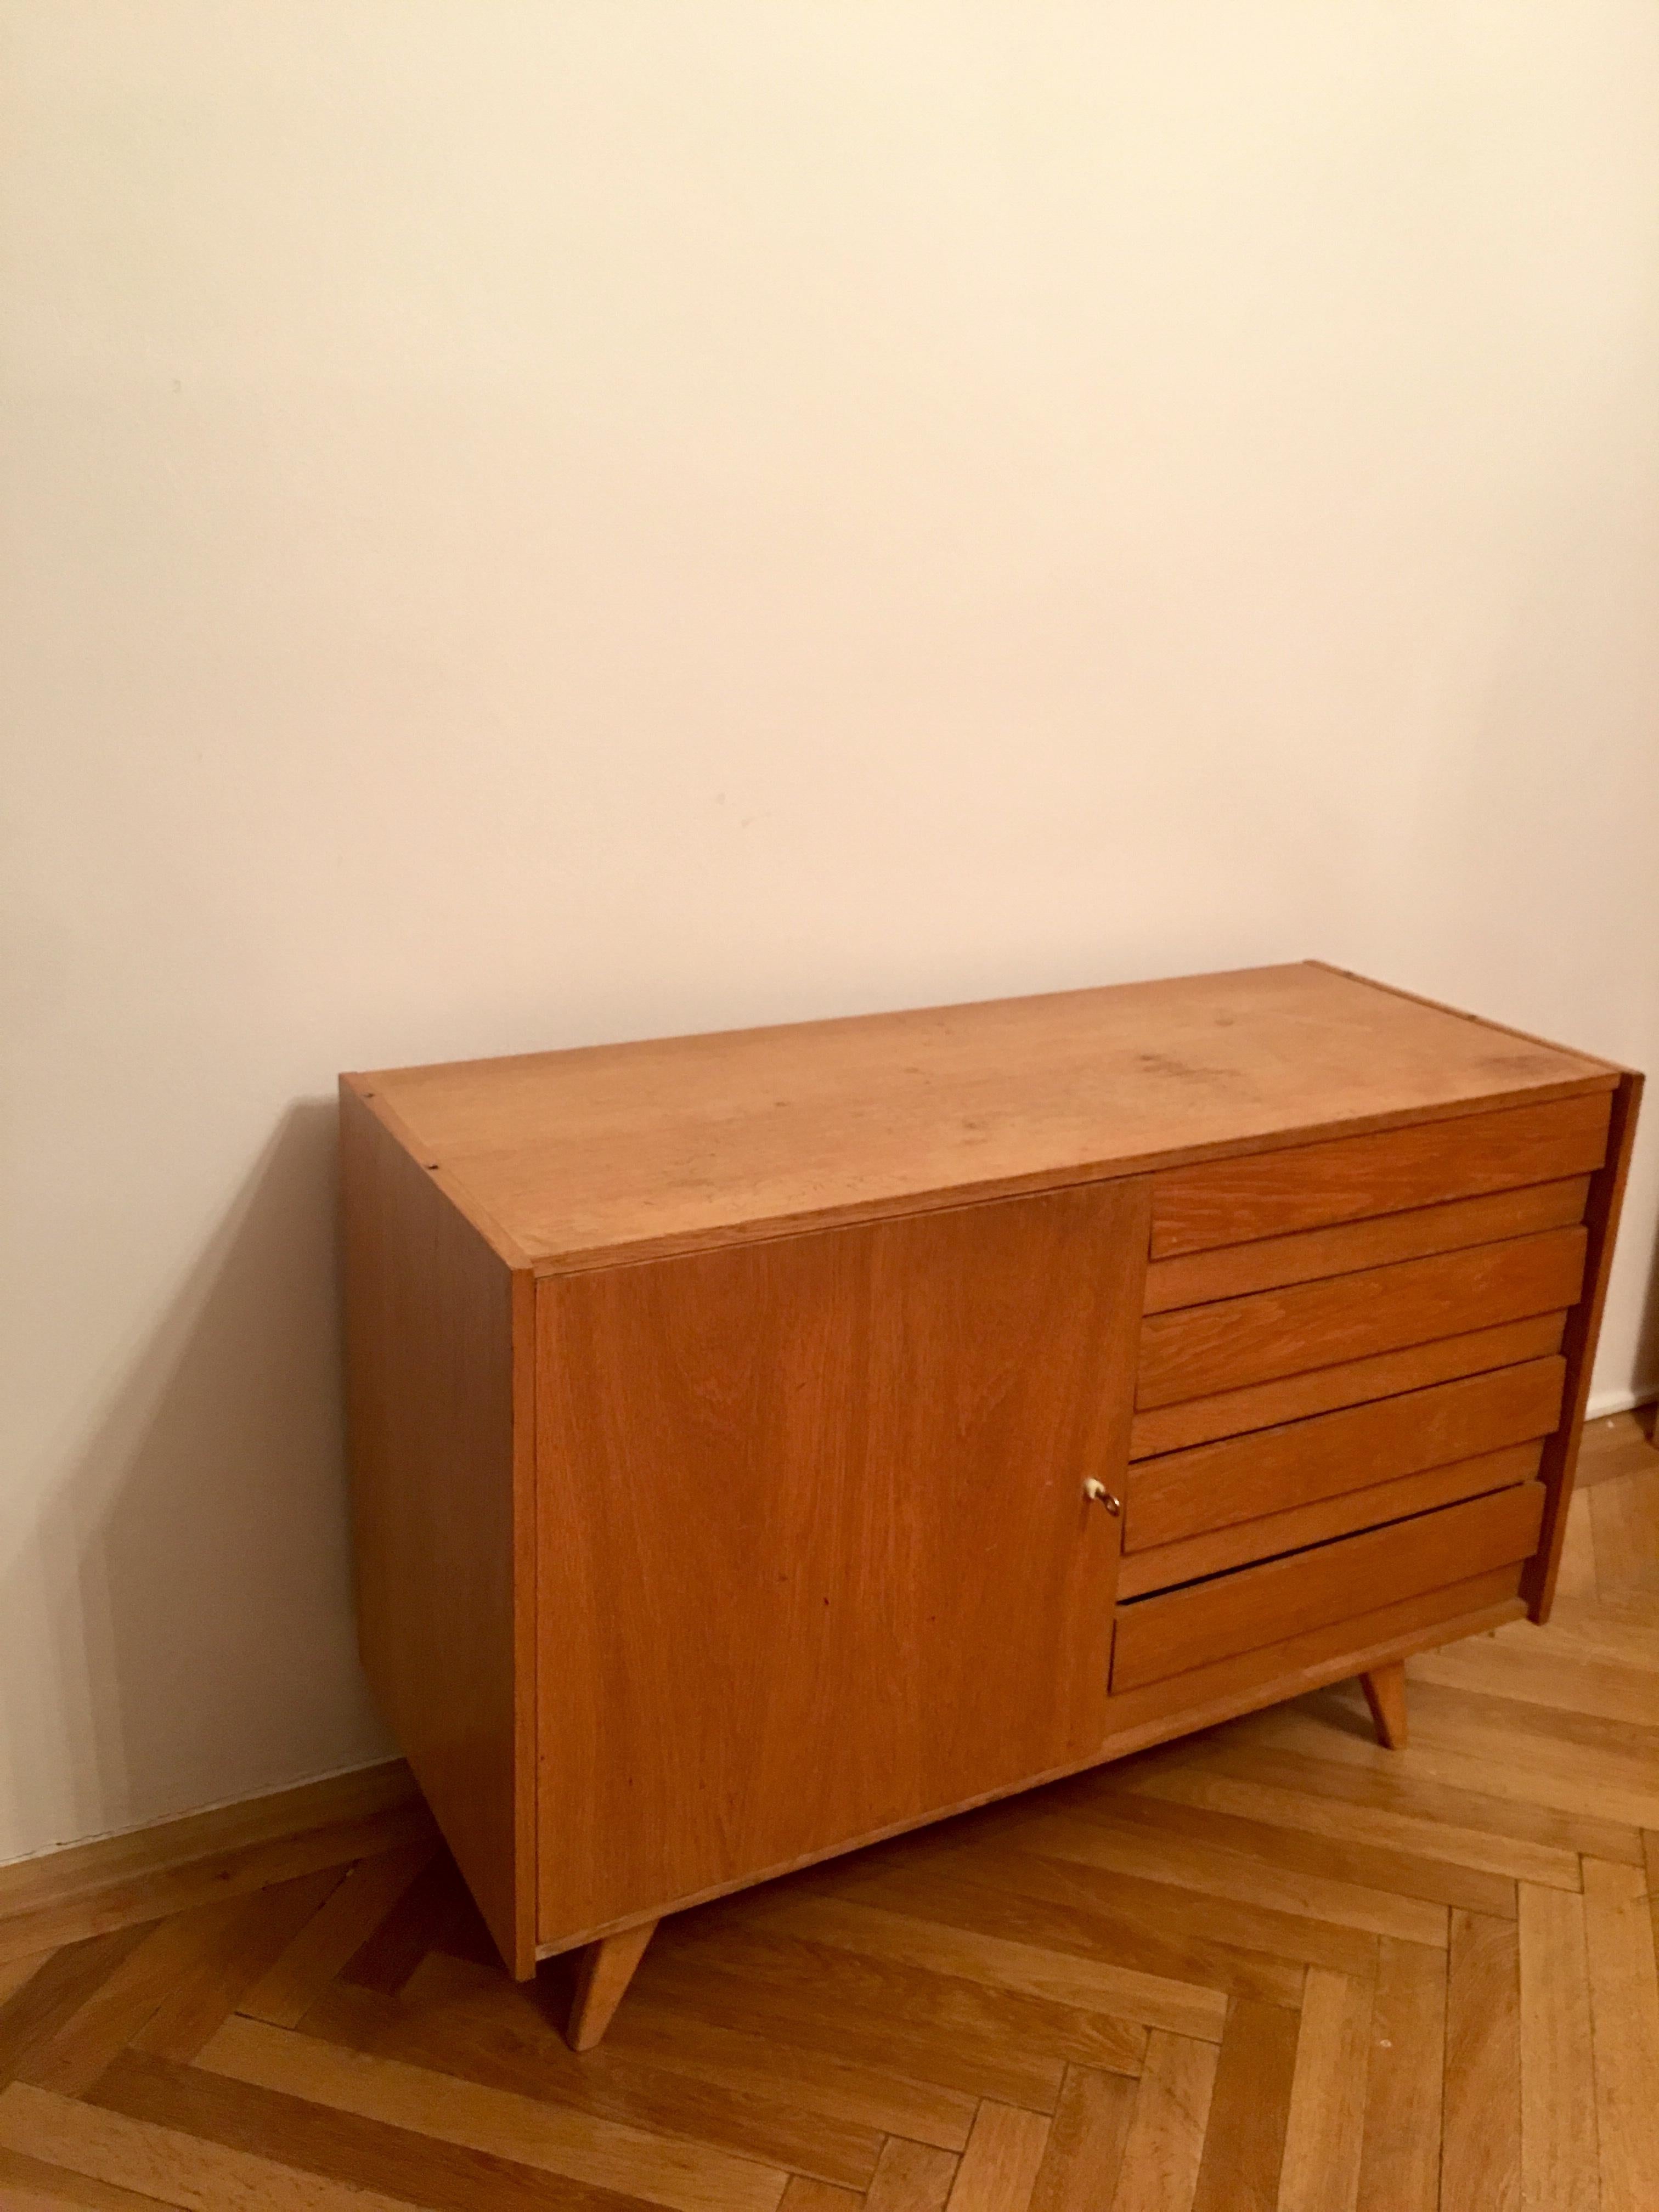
(814, 1557)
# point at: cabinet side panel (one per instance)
(438, 1331)
(1578, 1346)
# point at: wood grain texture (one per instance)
(1625, 2008)
(1243, 1542)
(1086, 2138)
(1237, 1342)
(1232, 1271)
(1385, 1695)
(602, 1977)
(1350, 1383)
(322, 1946)
(1166, 2146)
(148, 1871)
(1583, 1331)
(909, 2176)
(1252, 1681)
(1272, 1193)
(999, 2168)
(1244, 2139)
(1480, 2154)
(554, 2139)
(1400, 2163)
(1216, 1870)
(679, 1142)
(1184, 1493)
(441, 1438)
(1266, 1605)
(1324, 2133)
(890, 1524)
(1558, 2166)
(168, 2164)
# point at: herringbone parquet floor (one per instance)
(1271, 1967)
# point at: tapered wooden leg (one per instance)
(606, 1969)
(1385, 1693)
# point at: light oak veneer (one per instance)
(742, 1426)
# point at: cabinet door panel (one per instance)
(814, 1555)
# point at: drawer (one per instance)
(1235, 1342)
(1185, 1493)
(1241, 1543)
(1348, 1178)
(1351, 1382)
(1232, 1271)
(1182, 1629)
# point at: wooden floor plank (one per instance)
(688, 2177)
(911, 2176)
(1086, 2138)
(506, 2042)
(889, 2103)
(1325, 2129)
(1624, 1524)
(334, 2148)
(71, 2060)
(334, 1934)
(1215, 1871)
(1625, 2010)
(1244, 2144)
(1558, 2084)
(1414, 1834)
(999, 2168)
(29, 2185)
(1480, 2142)
(1400, 2155)
(1165, 2145)
(1158, 1928)
(1383, 1876)
(42, 2006)
(1541, 1675)
(242, 1949)
(1063, 1977)
(1326, 1762)
(805, 2195)
(14, 1972)
(237, 1873)
(1457, 1751)
(940, 2029)
(160, 2162)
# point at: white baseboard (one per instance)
(1603, 1402)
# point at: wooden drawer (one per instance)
(1241, 1543)
(1295, 1397)
(1195, 1626)
(1184, 1493)
(1388, 1171)
(1232, 1271)
(1236, 1342)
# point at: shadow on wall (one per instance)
(196, 1560)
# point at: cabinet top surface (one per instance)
(572, 1158)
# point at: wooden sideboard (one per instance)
(763, 1443)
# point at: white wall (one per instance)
(534, 523)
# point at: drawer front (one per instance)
(1349, 1178)
(1232, 1271)
(1241, 1543)
(1351, 1382)
(1185, 1493)
(1182, 1629)
(1236, 1342)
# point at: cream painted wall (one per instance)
(534, 523)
